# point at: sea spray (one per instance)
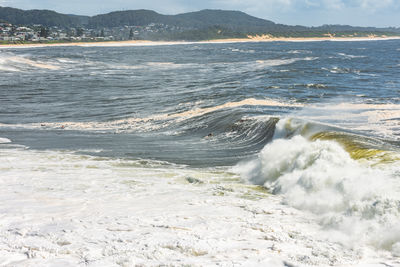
(356, 202)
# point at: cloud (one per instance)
(375, 4)
(334, 4)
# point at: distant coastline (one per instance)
(230, 40)
(46, 26)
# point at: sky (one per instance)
(379, 13)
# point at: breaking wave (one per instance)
(153, 122)
(349, 182)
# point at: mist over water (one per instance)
(310, 128)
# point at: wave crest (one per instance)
(355, 200)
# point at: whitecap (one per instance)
(316, 85)
(249, 51)
(350, 56)
(357, 202)
(299, 52)
(14, 63)
(4, 140)
(280, 62)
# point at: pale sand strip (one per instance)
(264, 38)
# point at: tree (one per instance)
(12, 32)
(44, 32)
(79, 32)
(131, 34)
(102, 33)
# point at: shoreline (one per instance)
(257, 39)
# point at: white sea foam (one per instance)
(350, 56)
(380, 120)
(357, 203)
(341, 70)
(300, 52)
(104, 67)
(279, 62)
(67, 60)
(275, 62)
(316, 85)
(4, 140)
(64, 209)
(168, 65)
(14, 63)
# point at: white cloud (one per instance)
(375, 4)
(333, 4)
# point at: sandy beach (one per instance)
(264, 38)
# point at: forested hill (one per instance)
(43, 17)
(130, 18)
(232, 22)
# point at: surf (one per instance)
(349, 182)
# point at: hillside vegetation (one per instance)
(200, 25)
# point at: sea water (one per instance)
(273, 154)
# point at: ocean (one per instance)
(230, 154)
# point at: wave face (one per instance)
(296, 145)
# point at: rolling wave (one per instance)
(153, 122)
(227, 133)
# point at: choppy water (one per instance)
(315, 123)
